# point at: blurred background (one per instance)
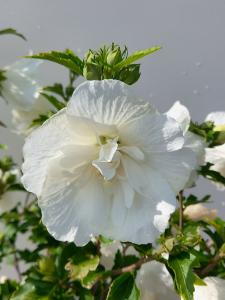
(189, 68)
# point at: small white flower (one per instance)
(108, 164)
(213, 290)
(197, 212)
(216, 155)
(22, 92)
(192, 141)
(155, 282)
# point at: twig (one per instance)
(181, 212)
(212, 264)
(132, 267)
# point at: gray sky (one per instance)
(189, 68)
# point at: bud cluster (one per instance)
(105, 64)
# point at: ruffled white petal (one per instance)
(109, 102)
(181, 114)
(213, 290)
(152, 133)
(217, 117)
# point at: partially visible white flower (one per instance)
(108, 252)
(108, 164)
(155, 282)
(22, 92)
(213, 290)
(197, 212)
(216, 155)
(20, 89)
(10, 199)
(22, 119)
(192, 141)
(218, 117)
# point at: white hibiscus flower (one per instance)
(22, 92)
(107, 164)
(155, 282)
(216, 155)
(192, 141)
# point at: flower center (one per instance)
(109, 157)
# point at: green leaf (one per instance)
(68, 59)
(54, 101)
(136, 56)
(27, 292)
(123, 288)
(182, 266)
(12, 31)
(79, 267)
(206, 172)
(57, 89)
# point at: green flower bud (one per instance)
(89, 57)
(46, 265)
(92, 72)
(114, 57)
(220, 129)
(130, 74)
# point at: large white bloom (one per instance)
(107, 164)
(216, 155)
(155, 282)
(22, 92)
(192, 141)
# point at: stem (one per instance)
(212, 264)
(132, 267)
(181, 212)
(17, 266)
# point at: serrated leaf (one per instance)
(67, 59)
(123, 288)
(136, 56)
(182, 266)
(12, 31)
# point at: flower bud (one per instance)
(46, 265)
(114, 56)
(92, 71)
(198, 212)
(130, 74)
(220, 129)
(89, 57)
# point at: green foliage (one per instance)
(123, 288)
(207, 172)
(13, 32)
(108, 62)
(2, 78)
(67, 58)
(182, 267)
